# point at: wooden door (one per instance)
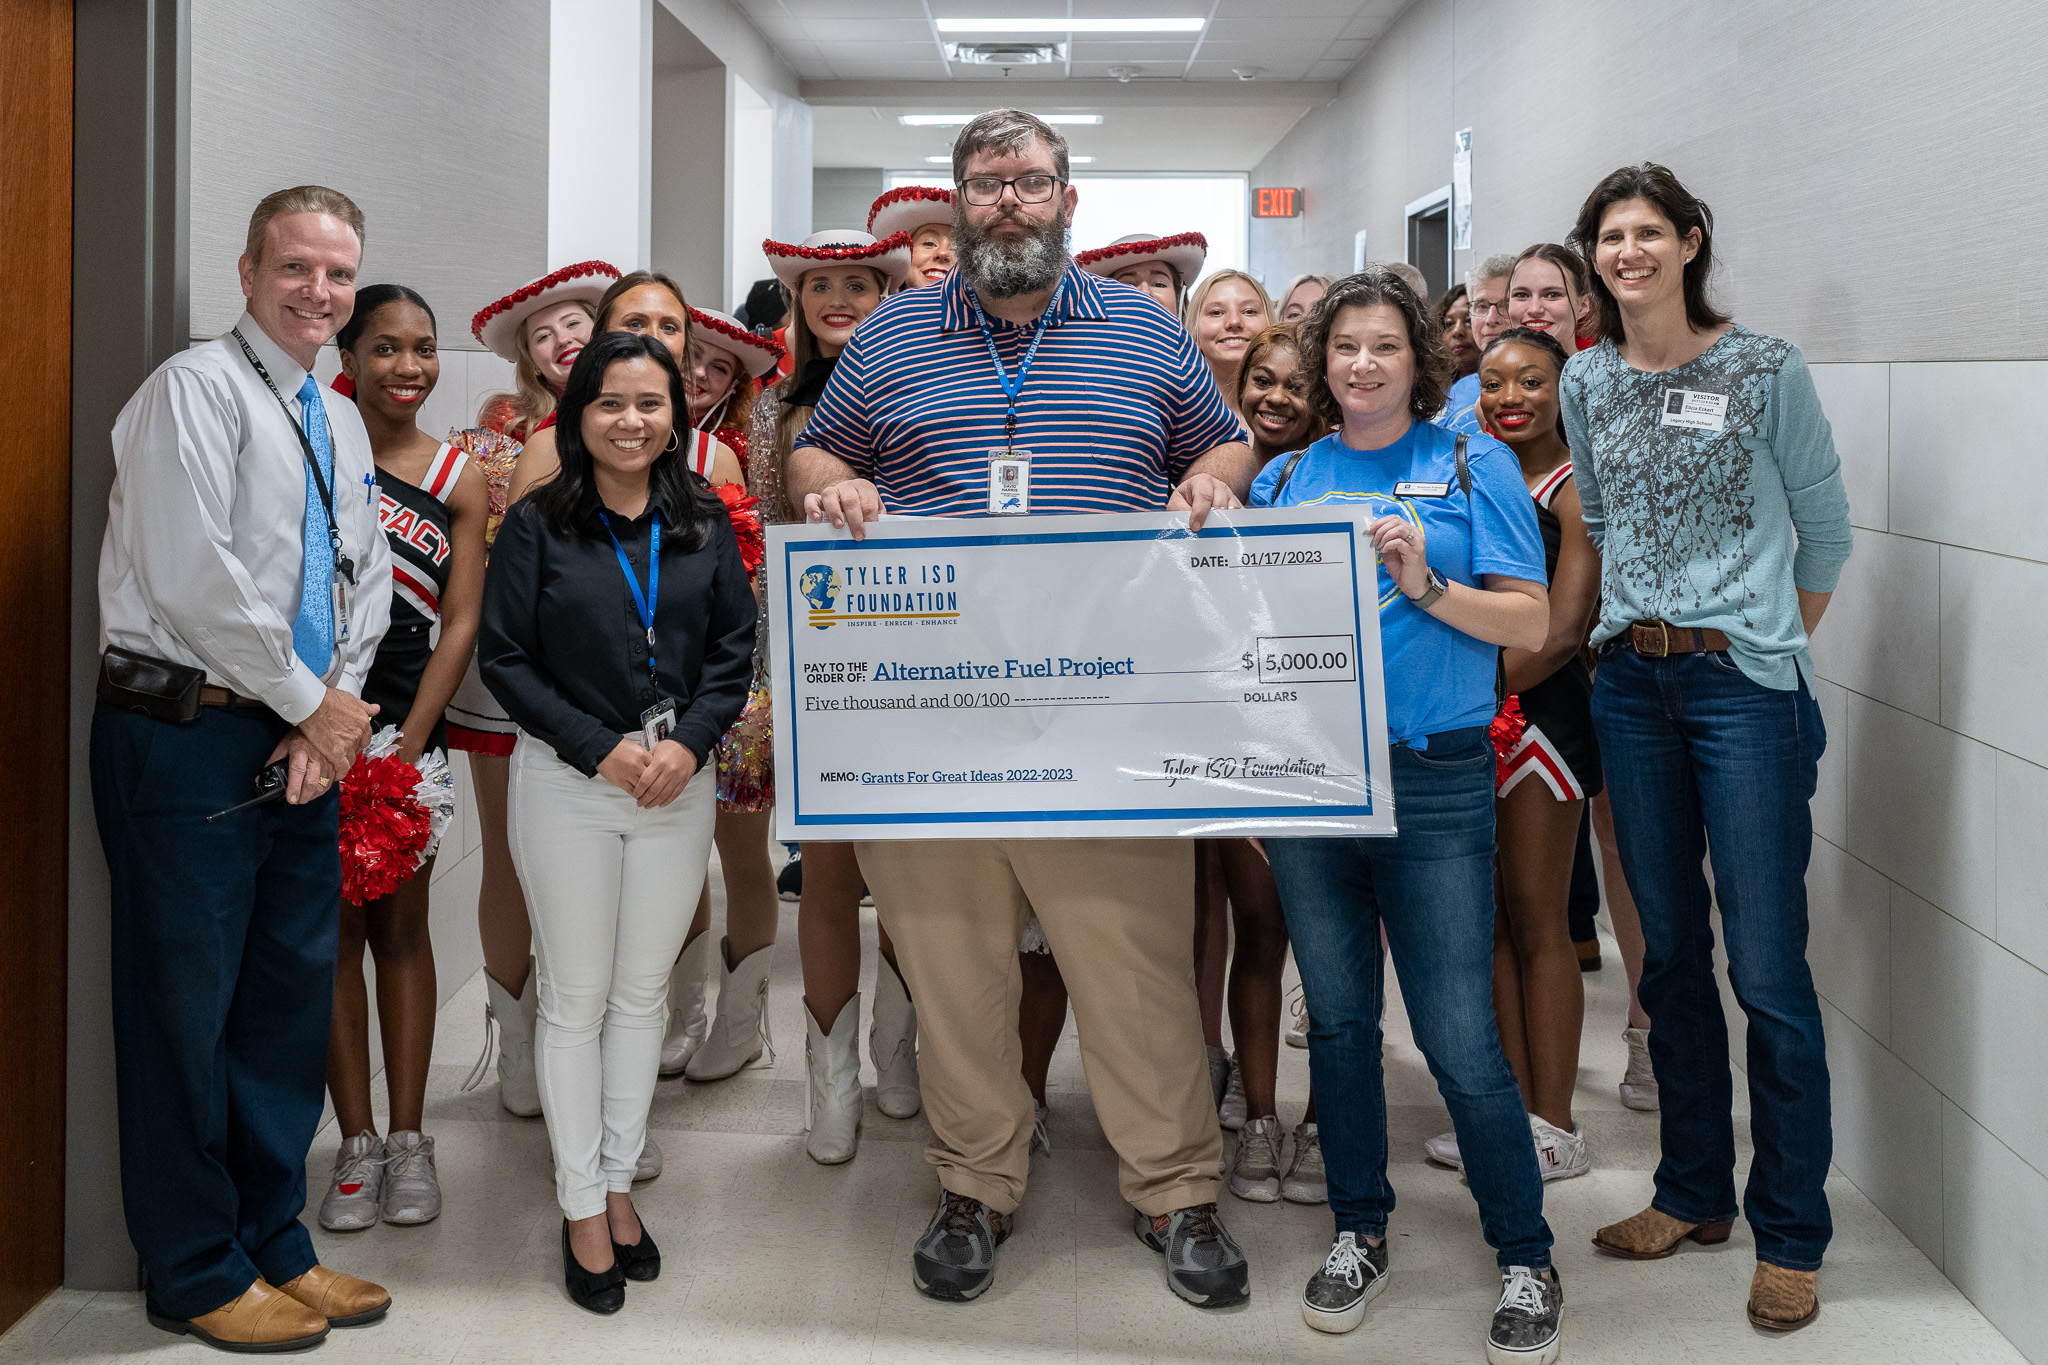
(35, 604)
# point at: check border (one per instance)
(845, 544)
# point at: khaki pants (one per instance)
(1119, 915)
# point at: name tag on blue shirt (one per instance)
(1422, 490)
(1694, 409)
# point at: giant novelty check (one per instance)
(1078, 676)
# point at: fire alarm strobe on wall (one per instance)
(1276, 203)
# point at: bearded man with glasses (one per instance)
(940, 389)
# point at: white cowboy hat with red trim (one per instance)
(496, 325)
(838, 246)
(909, 208)
(757, 355)
(1185, 252)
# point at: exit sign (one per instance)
(1276, 203)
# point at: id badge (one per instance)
(1695, 410)
(656, 723)
(1009, 483)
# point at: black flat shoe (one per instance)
(642, 1260)
(600, 1291)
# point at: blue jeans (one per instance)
(1699, 760)
(223, 985)
(1432, 885)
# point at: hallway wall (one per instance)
(1853, 158)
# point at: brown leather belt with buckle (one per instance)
(209, 695)
(1661, 640)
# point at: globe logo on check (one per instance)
(820, 585)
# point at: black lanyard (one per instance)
(342, 562)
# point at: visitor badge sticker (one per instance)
(1105, 676)
(1694, 409)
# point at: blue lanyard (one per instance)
(1014, 391)
(642, 602)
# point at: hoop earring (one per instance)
(673, 446)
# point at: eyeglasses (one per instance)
(1481, 310)
(985, 190)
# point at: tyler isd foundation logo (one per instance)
(821, 590)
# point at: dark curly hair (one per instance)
(1369, 287)
(1657, 185)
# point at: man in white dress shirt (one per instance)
(242, 542)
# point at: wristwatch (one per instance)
(1437, 588)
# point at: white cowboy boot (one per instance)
(518, 1091)
(892, 1042)
(687, 1023)
(740, 1033)
(832, 1086)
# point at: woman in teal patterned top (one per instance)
(1709, 481)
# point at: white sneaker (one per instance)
(1559, 1155)
(1443, 1150)
(1041, 1129)
(1255, 1166)
(412, 1184)
(1231, 1112)
(1639, 1082)
(355, 1191)
(1305, 1181)
(1297, 1028)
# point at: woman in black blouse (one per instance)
(618, 631)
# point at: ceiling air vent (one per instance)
(1006, 55)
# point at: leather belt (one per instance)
(1661, 640)
(209, 695)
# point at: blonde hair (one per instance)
(300, 199)
(1280, 299)
(532, 400)
(1199, 295)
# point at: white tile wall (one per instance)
(1970, 1017)
(1922, 808)
(1849, 908)
(1994, 656)
(1856, 398)
(1965, 455)
(1887, 1127)
(1932, 822)
(1882, 634)
(2023, 859)
(1994, 1206)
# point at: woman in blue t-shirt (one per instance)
(1460, 574)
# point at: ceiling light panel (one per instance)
(957, 120)
(1070, 25)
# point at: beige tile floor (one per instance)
(768, 1257)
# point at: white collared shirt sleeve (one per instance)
(355, 511)
(175, 453)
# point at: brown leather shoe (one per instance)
(1782, 1300)
(343, 1300)
(259, 1319)
(1651, 1236)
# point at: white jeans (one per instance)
(611, 889)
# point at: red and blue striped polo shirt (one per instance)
(1117, 404)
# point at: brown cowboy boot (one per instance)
(1651, 1236)
(343, 1300)
(1782, 1300)
(260, 1318)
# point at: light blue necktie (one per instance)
(313, 631)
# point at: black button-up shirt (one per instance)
(563, 650)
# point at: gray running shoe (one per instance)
(1352, 1276)
(1305, 1181)
(1529, 1323)
(1255, 1166)
(1231, 1110)
(358, 1183)
(1203, 1264)
(1219, 1074)
(955, 1260)
(412, 1187)
(1041, 1129)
